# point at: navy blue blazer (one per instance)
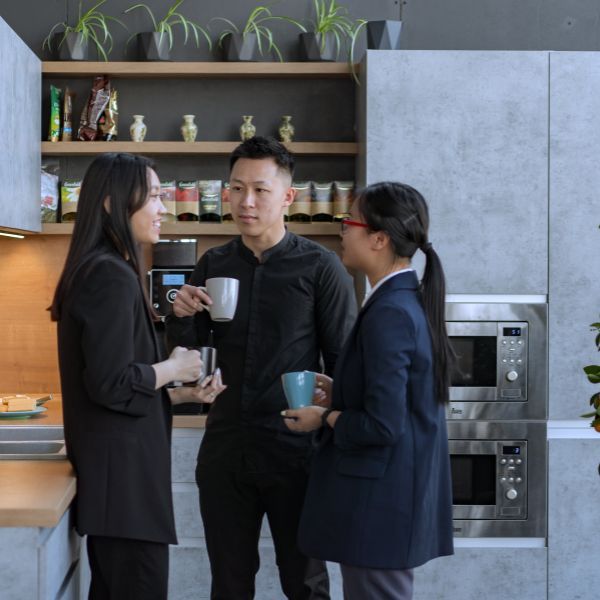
(379, 494)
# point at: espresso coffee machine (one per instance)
(172, 264)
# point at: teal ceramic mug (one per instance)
(299, 388)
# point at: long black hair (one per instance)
(123, 179)
(401, 211)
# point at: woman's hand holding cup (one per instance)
(322, 394)
(186, 364)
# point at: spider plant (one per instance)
(174, 17)
(256, 24)
(92, 25)
(332, 22)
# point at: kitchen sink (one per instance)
(32, 443)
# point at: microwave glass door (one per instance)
(474, 479)
(476, 360)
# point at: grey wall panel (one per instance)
(574, 295)
(573, 541)
(490, 573)
(470, 131)
(20, 102)
(501, 25)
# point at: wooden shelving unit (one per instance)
(214, 70)
(175, 148)
(191, 70)
(193, 228)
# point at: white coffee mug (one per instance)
(223, 291)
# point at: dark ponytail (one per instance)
(401, 211)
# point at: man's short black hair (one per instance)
(258, 147)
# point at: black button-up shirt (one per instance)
(295, 307)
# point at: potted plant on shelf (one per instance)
(74, 41)
(593, 375)
(157, 44)
(255, 38)
(331, 28)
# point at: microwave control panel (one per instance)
(511, 479)
(512, 360)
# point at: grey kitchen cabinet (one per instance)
(20, 108)
(574, 285)
(499, 573)
(469, 130)
(573, 534)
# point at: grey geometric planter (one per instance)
(70, 46)
(383, 35)
(153, 46)
(238, 47)
(313, 49)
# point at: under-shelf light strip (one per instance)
(12, 235)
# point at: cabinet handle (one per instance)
(599, 469)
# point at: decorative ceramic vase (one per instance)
(247, 129)
(189, 129)
(137, 129)
(286, 129)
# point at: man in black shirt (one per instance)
(296, 306)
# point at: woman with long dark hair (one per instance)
(117, 411)
(379, 500)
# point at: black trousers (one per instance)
(124, 569)
(233, 506)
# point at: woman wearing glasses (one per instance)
(379, 500)
(117, 411)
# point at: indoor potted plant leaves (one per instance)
(255, 38)
(593, 375)
(74, 41)
(331, 28)
(157, 44)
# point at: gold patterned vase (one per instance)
(247, 128)
(189, 129)
(286, 129)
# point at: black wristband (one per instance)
(324, 416)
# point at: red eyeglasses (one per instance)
(345, 223)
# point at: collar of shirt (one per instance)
(267, 254)
(382, 281)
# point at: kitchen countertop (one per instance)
(35, 493)
(53, 417)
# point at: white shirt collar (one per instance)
(382, 281)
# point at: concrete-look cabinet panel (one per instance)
(469, 130)
(39, 563)
(20, 108)
(573, 538)
(574, 286)
(490, 573)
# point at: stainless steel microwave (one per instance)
(498, 478)
(501, 363)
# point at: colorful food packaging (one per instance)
(109, 120)
(210, 200)
(54, 128)
(225, 205)
(67, 128)
(49, 196)
(322, 205)
(187, 199)
(343, 193)
(168, 189)
(69, 196)
(300, 209)
(93, 109)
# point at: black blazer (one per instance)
(117, 426)
(379, 494)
